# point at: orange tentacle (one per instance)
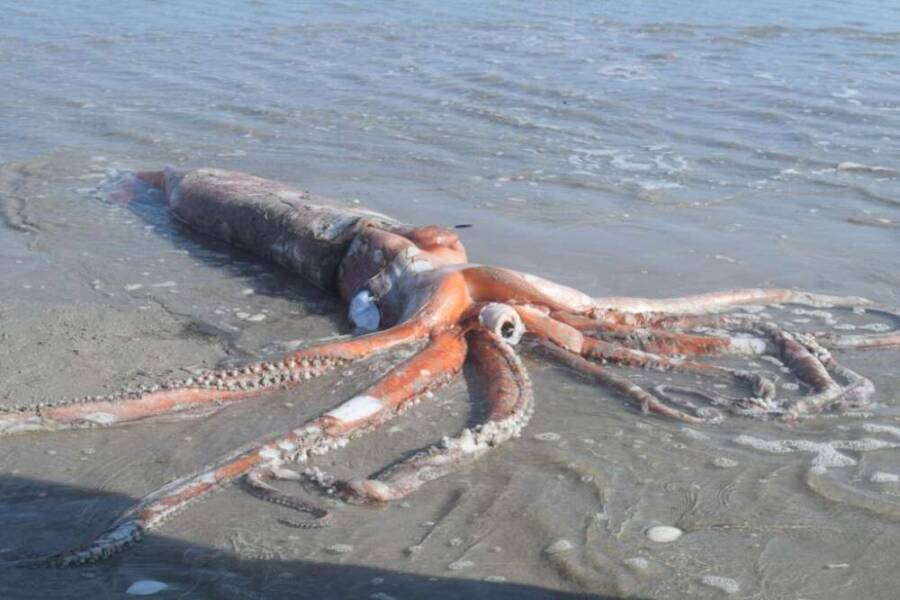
(568, 337)
(561, 334)
(430, 368)
(444, 355)
(508, 395)
(684, 344)
(491, 284)
(715, 301)
(607, 322)
(215, 388)
(646, 401)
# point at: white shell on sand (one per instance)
(663, 534)
(729, 586)
(560, 545)
(145, 587)
(459, 565)
(637, 562)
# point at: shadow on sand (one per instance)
(43, 517)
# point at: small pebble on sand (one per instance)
(694, 434)
(145, 587)
(560, 545)
(340, 548)
(638, 562)
(729, 586)
(724, 463)
(663, 534)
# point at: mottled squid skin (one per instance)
(415, 286)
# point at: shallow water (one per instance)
(641, 149)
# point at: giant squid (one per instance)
(415, 287)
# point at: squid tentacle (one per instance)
(508, 393)
(829, 339)
(617, 353)
(763, 389)
(762, 403)
(434, 366)
(884, 339)
(690, 344)
(652, 337)
(647, 402)
(703, 310)
(567, 337)
(257, 482)
(814, 365)
(809, 361)
(716, 301)
(210, 389)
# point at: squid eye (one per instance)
(364, 311)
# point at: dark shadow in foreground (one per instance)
(42, 517)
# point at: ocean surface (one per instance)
(623, 148)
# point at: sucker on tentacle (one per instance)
(383, 401)
(509, 397)
(416, 286)
(257, 480)
(212, 388)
